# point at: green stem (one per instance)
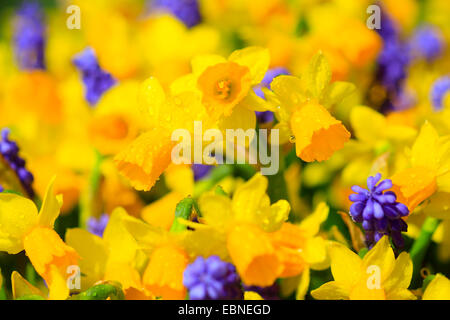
(420, 246)
(89, 203)
(277, 184)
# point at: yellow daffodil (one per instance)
(244, 225)
(377, 276)
(428, 171)
(376, 139)
(303, 117)
(146, 157)
(225, 85)
(115, 256)
(23, 228)
(302, 249)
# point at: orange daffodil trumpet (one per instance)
(257, 238)
(300, 105)
(217, 93)
(22, 227)
(429, 170)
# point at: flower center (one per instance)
(223, 89)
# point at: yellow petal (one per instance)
(255, 103)
(143, 235)
(123, 272)
(201, 62)
(57, 287)
(18, 215)
(318, 75)
(122, 246)
(338, 91)
(248, 197)
(250, 295)
(255, 58)
(345, 265)
(424, 150)
(176, 173)
(315, 253)
(438, 289)
(50, 207)
(284, 133)
(93, 254)
(272, 219)
(382, 256)
(289, 91)
(400, 294)
(21, 287)
(161, 212)
(206, 242)
(400, 276)
(303, 285)
(331, 291)
(241, 119)
(151, 97)
(182, 84)
(439, 205)
(311, 224)
(368, 124)
(215, 209)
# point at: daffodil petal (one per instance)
(400, 277)
(50, 207)
(437, 289)
(18, 215)
(345, 265)
(382, 256)
(255, 58)
(331, 291)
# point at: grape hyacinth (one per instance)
(393, 61)
(212, 279)
(1, 188)
(439, 89)
(187, 11)
(29, 37)
(10, 153)
(427, 43)
(378, 211)
(201, 170)
(97, 226)
(267, 116)
(96, 80)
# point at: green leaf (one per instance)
(111, 289)
(337, 92)
(318, 75)
(30, 297)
